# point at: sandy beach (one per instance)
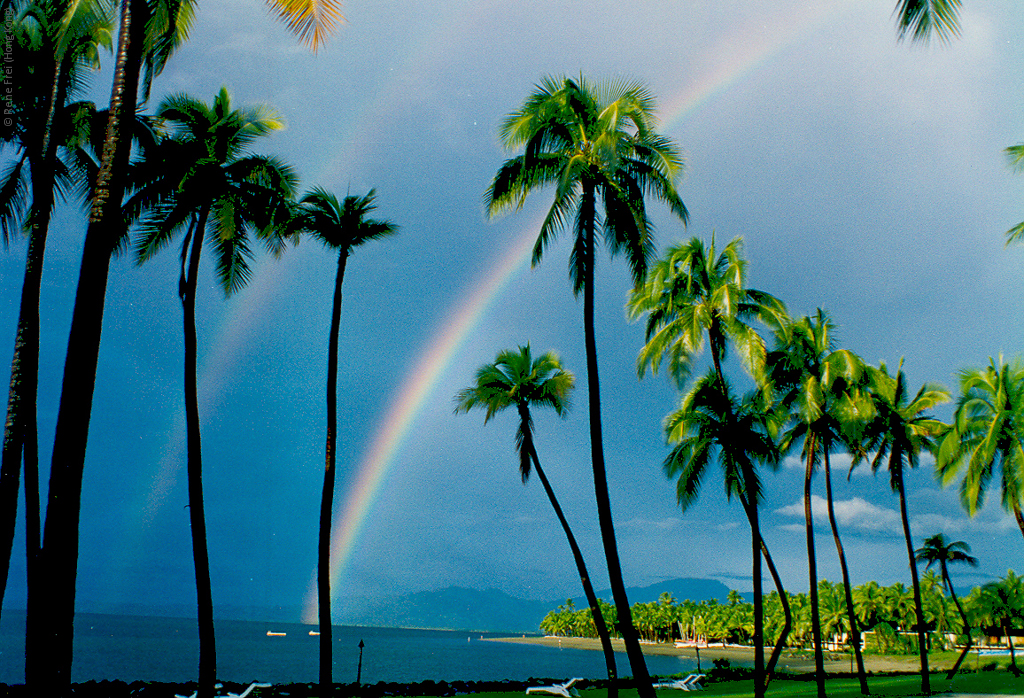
(834, 663)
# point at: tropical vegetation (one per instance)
(594, 146)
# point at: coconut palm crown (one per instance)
(517, 379)
(986, 438)
(696, 295)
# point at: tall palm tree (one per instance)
(815, 382)
(597, 146)
(692, 297)
(341, 226)
(516, 379)
(920, 19)
(987, 437)
(712, 425)
(899, 431)
(939, 549)
(149, 31)
(210, 188)
(54, 43)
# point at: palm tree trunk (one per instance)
(323, 567)
(20, 425)
(921, 634)
(51, 601)
(963, 617)
(197, 515)
(755, 543)
(787, 626)
(854, 629)
(604, 510)
(812, 572)
(588, 588)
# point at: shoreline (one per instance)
(736, 654)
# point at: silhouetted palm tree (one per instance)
(149, 31)
(341, 227)
(897, 434)
(516, 379)
(596, 146)
(49, 44)
(938, 549)
(209, 186)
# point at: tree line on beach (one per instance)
(187, 171)
(990, 613)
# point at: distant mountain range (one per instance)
(453, 608)
(492, 610)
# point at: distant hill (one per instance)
(453, 608)
(492, 610)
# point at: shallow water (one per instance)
(133, 648)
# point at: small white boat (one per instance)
(271, 633)
(314, 633)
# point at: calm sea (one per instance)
(166, 649)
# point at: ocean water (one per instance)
(133, 648)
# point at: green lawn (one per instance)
(988, 682)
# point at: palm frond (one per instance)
(312, 21)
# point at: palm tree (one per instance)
(1001, 603)
(815, 381)
(694, 296)
(919, 19)
(341, 227)
(987, 434)
(516, 379)
(938, 549)
(712, 425)
(53, 43)
(597, 146)
(149, 31)
(899, 431)
(210, 188)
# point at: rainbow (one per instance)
(747, 50)
(415, 392)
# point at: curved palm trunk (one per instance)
(604, 511)
(51, 600)
(922, 639)
(812, 573)
(588, 588)
(1018, 517)
(787, 625)
(854, 628)
(963, 617)
(755, 544)
(197, 515)
(20, 426)
(323, 566)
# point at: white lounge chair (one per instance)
(559, 689)
(690, 683)
(244, 694)
(253, 686)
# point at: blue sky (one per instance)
(865, 176)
